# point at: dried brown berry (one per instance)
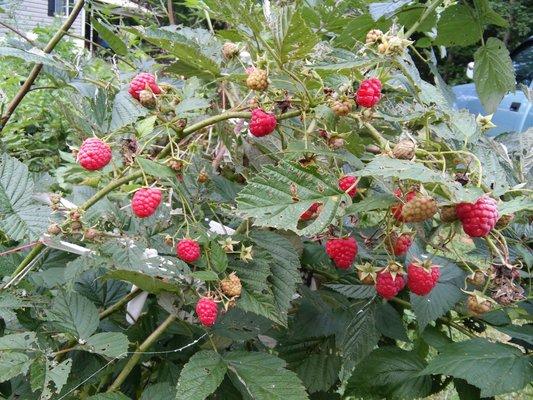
(231, 286)
(374, 36)
(448, 214)
(54, 229)
(147, 98)
(341, 108)
(203, 177)
(477, 305)
(230, 50)
(477, 278)
(404, 149)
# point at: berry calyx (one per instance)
(478, 218)
(342, 251)
(419, 209)
(143, 81)
(188, 250)
(421, 279)
(145, 201)
(366, 274)
(94, 154)
(207, 311)
(347, 182)
(257, 79)
(147, 98)
(262, 123)
(399, 245)
(231, 286)
(369, 93)
(389, 284)
(311, 212)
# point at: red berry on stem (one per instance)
(94, 154)
(141, 82)
(188, 250)
(262, 123)
(422, 280)
(311, 212)
(369, 93)
(346, 182)
(207, 311)
(402, 244)
(342, 251)
(389, 285)
(145, 201)
(478, 218)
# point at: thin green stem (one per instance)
(430, 8)
(118, 305)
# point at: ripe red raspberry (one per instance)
(342, 251)
(398, 208)
(401, 244)
(311, 212)
(141, 82)
(346, 182)
(369, 93)
(262, 123)
(145, 201)
(188, 250)
(478, 218)
(94, 154)
(387, 285)
(422, 280)
(207, 311)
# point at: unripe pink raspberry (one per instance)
(94, 154)
(145, 201)
(188, 250)
(369, 93)
(262, 123)
(141, 82)
(207, 311)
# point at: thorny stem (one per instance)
(137, 356)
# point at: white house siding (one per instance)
(28, 14)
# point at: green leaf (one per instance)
(155, 168)
(109, 396)
(278, 195)
(260, 304)
(112, 39)
(515, 205)
(353, 291)
(319, 372)
(72, 313)
(372, 202)
(146, 125)
(391, 373)
(495, 368)
(37, 373)
(109, 344)
(18, 341)
(33, 56)
(457, 27)
(191, 104)
(20, 216)
(206, 276)
(200, 376)
(148, 283)
(219, 258)
(274, 382)
(360, 335)
(159, 391)
(390, 323)
(444, 295)
(55, 377)
(523, 332)
(126, 110)
(13, 364)
(392, 168)
(385, 8)
(493, 74)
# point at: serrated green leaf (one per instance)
(55, 377)
(159, 391)
(72, 313)
(191, 104)
(360, 335)
(393, 168)
(385, 8)
(372, 202)
(155, 168)
(319, 372)
(148, 283)
(20, 216)
(112, 39)
(515, 205)
(126, 110)
(483, 364)
(109, 344)
(493, 73)
(200, 376)
(35, 56)
(273, 383)
(278, 195)
(457, 27)
(13, 364)
(109, 396)
(37, 373)
(146, 125)
(18, 341)
(389, 322)
(353, 291)
(260, 304)
(206, 276)
(219, 258)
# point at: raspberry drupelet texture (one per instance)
(342, 251)
(346, 182)
(94, 154)
(145, 201)
(387, 285)
(420, 280)
(207, 311)
(419, 209)
(398, 208)
(141, 82)
(401, 244)
(188, 250)
(478, 218)
(262, 123)
(369, 93)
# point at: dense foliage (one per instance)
(281, 208)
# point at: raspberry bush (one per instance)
(280, 206)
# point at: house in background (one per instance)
(25, 15)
